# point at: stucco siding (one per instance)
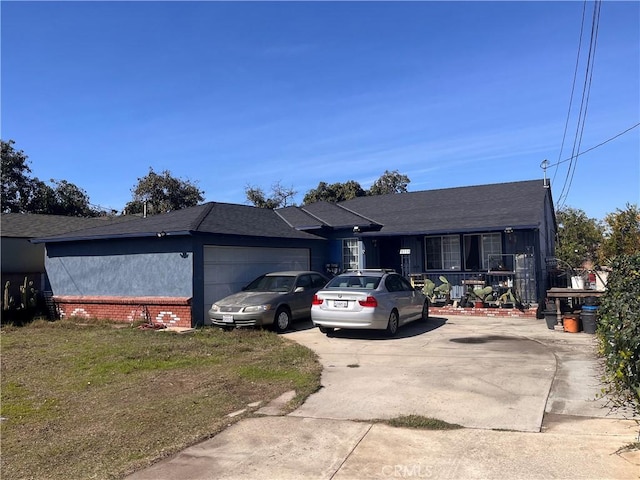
(166, 274)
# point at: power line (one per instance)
(582, 115)
(573, 87)
(594, 147)
(586, 90)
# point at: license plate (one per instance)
(340, 304)
(227, 318)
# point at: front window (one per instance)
(351, 254)
(478, 248)
(443, 252)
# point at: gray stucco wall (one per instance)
(140, 267)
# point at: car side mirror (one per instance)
(298, 290)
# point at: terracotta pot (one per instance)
(571, 323)
(478, 304)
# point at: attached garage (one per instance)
(171, 267)
(229, 268)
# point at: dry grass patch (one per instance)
(420, 422)
(94, 401)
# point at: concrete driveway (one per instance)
(453, 371)
(526, 395)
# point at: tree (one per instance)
(280, 196)
(390, 182)
(16, 183)
(622, 233)
(579, 237)
(23, 194)
(63, 198)
(336, 192)
(163, 193)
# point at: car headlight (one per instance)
(215, 308)
(257, 308)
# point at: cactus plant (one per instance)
(440, 293)
(7, 299)
(480, 294)
(27, 295)
(507, 298)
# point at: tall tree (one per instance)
(16, 183)
(579, 237)
(63, 198)
(622, 233)
(163, 193)
(390, 182)
(281, 196)
(23, 194)
(335, 192)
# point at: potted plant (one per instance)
(508, 298)
(440, 294)
(478, 296)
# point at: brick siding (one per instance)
(170, 311)
(450, 310)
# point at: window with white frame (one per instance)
(350, 254)
(478, 248)
(443, 252)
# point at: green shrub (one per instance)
(619, 331)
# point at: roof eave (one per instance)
(447, 232)
(110, 237)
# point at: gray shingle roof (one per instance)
(462, 209)
(322, 214)
(475, 208)
(212, 217)
(337, 216)
(297, 218)
(30, 225)
(234, 219)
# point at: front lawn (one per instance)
(95, 401)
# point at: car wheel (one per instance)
(326, 330)
(392, 325)
(282, 320)
(425, 311)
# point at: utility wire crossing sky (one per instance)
(237, 94)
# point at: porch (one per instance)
(509, 295)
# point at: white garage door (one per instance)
(228, 269)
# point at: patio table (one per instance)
(558, 293)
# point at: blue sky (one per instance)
(231, 94)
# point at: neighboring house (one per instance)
(169, 268)
(20, 258)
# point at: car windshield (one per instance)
(354, 281)
(271, 283)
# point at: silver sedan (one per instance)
(371, 299)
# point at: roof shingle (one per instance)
(32, 225)
(462, 209)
